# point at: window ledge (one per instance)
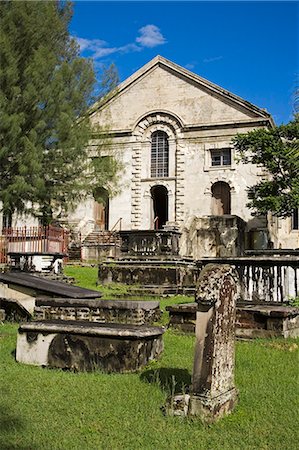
(159, 179)
(217, 168)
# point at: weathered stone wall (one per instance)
(214, 236)
(162, 243)
(143, 273)
(100, 311)
(196, 122)
(198, 117)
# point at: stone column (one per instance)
(213, 392)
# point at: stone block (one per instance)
(81, 346)
(100, 311)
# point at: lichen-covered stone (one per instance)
(213, 393)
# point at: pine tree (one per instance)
(46, 89)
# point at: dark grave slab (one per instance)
(45, 286)
(82, 346)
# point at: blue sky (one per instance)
(249, 48)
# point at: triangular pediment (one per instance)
(165, 86)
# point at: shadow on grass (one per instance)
(10, 426)
(169, 379)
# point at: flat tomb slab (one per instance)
(82, 346)
(252, 321)
(136, 312)
(48, 287)
(258, 321)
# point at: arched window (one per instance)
(221, 199)
(159, 155)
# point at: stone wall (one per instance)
(214, 236)
(144, 273)
(100, 311)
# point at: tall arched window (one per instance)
(159, 155)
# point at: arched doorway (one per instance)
(101, 208)
(221, 199)
(159, 196)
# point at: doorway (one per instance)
(101, 208)
(221, 199)
(159, 196)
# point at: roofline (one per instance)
(161, 61)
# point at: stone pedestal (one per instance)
(213, 393)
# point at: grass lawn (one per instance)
(53, 409)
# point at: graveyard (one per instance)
(56, 408)
(149, 226)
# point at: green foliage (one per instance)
(45, 87)
(294, 301)
(109, 80)
(277, 150)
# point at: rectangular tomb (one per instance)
(82, 346)
(252, 321)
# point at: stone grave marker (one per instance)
(213, 393)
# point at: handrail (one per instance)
(116, 223)
(156, 223)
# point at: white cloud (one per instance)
(151, 36)
(215, 58)
(90, 44)
(190, 66)
(100, 52)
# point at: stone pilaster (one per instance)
(180, 184)
(136, 187)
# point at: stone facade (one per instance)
(198, 121)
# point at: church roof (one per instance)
(160, 61)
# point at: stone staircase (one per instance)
(101, 237)
(99, 244)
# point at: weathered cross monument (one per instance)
(213, 393)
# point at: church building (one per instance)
(172, 131)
